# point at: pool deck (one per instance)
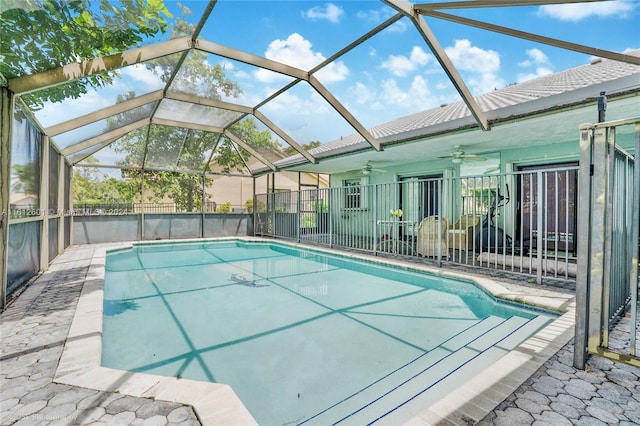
(49, 373)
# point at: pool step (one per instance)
(427, 378)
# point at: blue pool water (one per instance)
(301, 336)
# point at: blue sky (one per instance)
(392, 74)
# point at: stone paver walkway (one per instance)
(33, 330)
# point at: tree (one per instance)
(179, 150)
(26, 178)
(91, 188)
(45, 34)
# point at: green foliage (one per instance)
(26, 178)
(89, 187)
(320, 206)
(45, 34)
(308, 220)
(224, 207)
(165, 147)
(247, 130)
(249, 205)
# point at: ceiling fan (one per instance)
(367, 169)
(458, 155)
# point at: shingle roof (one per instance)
(537, 95)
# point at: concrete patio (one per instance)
(35, 328)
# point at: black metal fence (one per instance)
(522, 222)
(119, 208)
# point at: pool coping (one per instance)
(216, 403)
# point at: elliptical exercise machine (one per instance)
(490, 237)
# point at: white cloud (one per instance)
(401, 65)
(578, 11)
(230, 68)
(141, 75)
(297, 52)
(482, 65)
(376, 16)
(417, 97)
(537, 59)
(329, 12)
(398, 27)
(58, 112)
(362, 94)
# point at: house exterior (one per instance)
(534, 127)
(238, 190)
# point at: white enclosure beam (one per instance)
(75, 123)
(288, 139)
(328, 96)
(198, 100)
(251, 59)
(252, 151)
(469, 4)
(186, 125)
(537, 38)
(442, 57)
(113, 134)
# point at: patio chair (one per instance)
(429, 238)
(460, 235)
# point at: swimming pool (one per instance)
(302, 336)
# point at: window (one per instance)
(353, 194)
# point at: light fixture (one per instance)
(456, 160)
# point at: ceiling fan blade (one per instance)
(473, 157)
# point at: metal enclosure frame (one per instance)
(607, 280)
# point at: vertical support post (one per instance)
(61, 210)
(44, 203)
(332, 202)
(583, 251)
(541, 235)
(204, 200)
(635, 240)
(598, 236)
(255, 207)
(375, 220)
(142, 205)
(69, 206)
(6, 124)
(440, 218)
(298, 216)
(609, 155)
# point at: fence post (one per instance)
(635, 240)
(440, 219)
(540, 236)
(298, 216)
(582, 241)
(375, 220)
(6, 124)
(204, 201)
(44, 203)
